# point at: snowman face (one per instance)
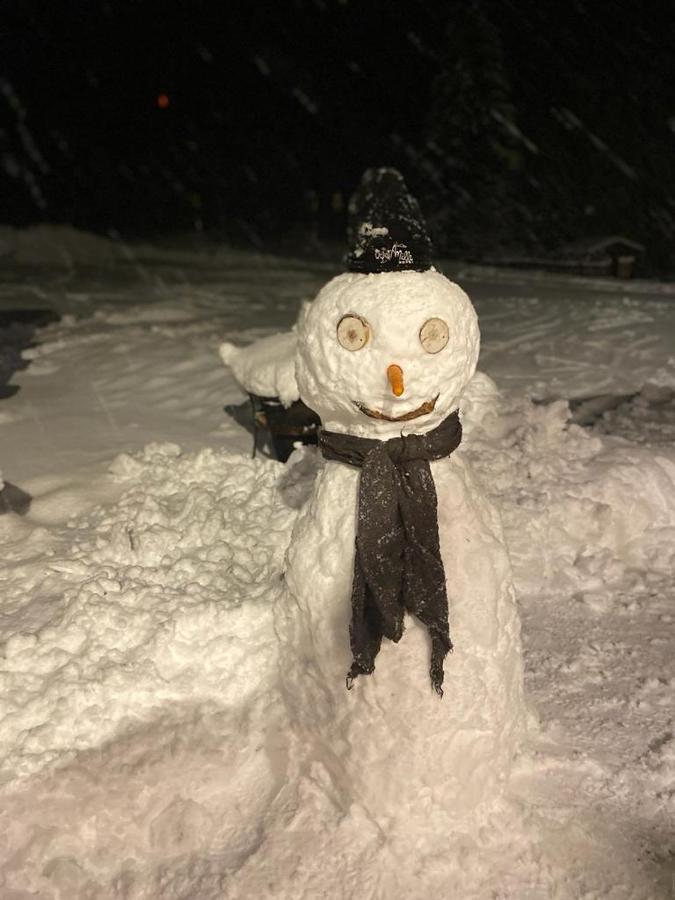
(387, 354)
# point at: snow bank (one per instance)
(57, 245)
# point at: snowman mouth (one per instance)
(423, 410)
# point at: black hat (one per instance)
(386, 231)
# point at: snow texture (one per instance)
(147, 747)
(265, 368)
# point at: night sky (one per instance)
(520, 125)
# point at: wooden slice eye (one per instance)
(434, 335)
(353, 332)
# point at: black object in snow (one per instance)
(14, 499)
(274, 425)
(398, 565)
(386, 231)
(17, 329)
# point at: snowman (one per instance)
(400, 660)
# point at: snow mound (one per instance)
(580, 510)
(265, 368)
(648, 417)
(167, 601)
(57, 245)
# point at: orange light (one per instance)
(163, 101)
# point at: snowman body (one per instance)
(390, 742)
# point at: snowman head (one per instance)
(380, 355)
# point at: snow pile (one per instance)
(265, 368)
(57, 245)
(580, 510)
(166, 600)
(156, 664)
(648, 417)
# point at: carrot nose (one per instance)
(395, 376)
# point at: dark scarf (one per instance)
(398, 565)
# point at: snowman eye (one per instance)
(434, 335)
(353, 332)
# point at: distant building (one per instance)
(606, 257)
(614, 256)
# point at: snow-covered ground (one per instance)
(142, 741)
